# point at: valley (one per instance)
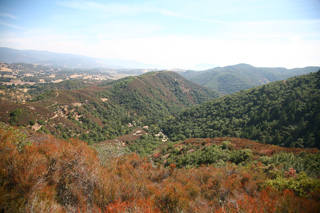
(159, 106)
(31, 74)
(96, 111)
(157, 142)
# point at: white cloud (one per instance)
(271, 30)
(280, 27)
(183, 52)
(130, 9)
(109, 8)
(11, 25)
(8, 15)
(121, 28)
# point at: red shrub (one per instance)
(52, 175)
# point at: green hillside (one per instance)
(231, 79)
(194, 152)
(189, 74)
(125, 167)
(284, 113)
(96, 113)
(156, 93)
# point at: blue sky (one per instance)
(173, 33)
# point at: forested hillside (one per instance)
(284, 113)
(231, 79)
(72, 109)
(156, 93)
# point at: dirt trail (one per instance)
(54, 102)
(36, 127)
(55, 115)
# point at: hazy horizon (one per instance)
(177, 34)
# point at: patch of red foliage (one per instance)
(52, 175)
(124, 138)
(267, 152)
(30, 111)
(79, 95)
(157, 155)
(240, 143)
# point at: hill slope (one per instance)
(96, 113)
(284, 113)
(231, 79)
(40, 173)
(156, 93)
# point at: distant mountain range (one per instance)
(62, 60)
(231, 79)
(204, 66)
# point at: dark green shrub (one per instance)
(41, 122)
(32, 122)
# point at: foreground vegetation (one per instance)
(40, 173)
(194, 152)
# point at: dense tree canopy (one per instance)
(284, 113)
(156, 93)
